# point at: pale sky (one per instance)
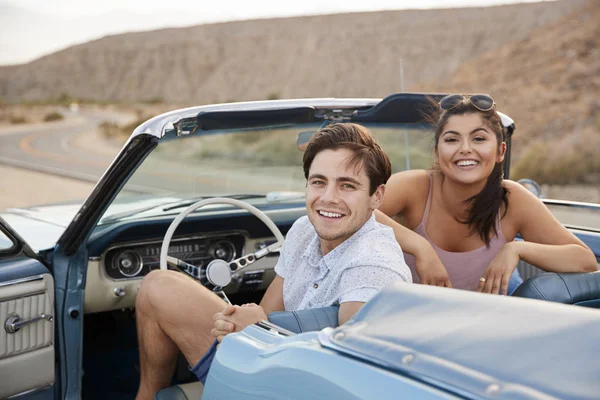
(33, 28)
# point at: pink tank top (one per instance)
(465, 268)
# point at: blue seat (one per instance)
(582, 289)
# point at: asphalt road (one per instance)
(50, 147)
(73, 149)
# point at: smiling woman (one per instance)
(463, 216)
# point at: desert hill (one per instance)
(540, 61)
(356, 55)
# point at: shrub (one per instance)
(109, 129)
(53, 116)
(153, 100)
(273, 96)
(17, 119)
(560, 162)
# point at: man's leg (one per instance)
(173, 312)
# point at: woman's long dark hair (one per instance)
(483, 209)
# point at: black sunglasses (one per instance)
(482, 102)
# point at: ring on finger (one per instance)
(482, 279)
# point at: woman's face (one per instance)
(467, 149)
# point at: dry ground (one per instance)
(21, 188)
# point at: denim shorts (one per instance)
(203, 366)
(296, 321)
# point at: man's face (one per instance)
(337, 197)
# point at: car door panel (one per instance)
(23, 267)
(26, 355)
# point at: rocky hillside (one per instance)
(549, 83)
(334, 55)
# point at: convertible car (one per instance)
(211, 191)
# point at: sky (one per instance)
(33, 28)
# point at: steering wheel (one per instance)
(218, 273)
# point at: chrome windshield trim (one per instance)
(157, 126)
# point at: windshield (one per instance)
(259, 166)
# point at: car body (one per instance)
(78, 266)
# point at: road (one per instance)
(54, 162)
(62, 161)
(53, 148)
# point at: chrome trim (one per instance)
(569, 203)
(157, 126)
(93, 258)
(137, 256)
(22, 280)
(21, 296)
(30, 391)
(231, 247)
(14, 322)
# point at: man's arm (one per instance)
(236, 318)
(273, 298)
(347, 310)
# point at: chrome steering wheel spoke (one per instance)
(182, 266)
(243, 262)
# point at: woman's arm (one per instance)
(557, 258)
(548, 245)
(398, 199)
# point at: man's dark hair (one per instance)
(358, 139)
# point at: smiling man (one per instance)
(337, 255)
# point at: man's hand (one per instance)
(431, 271)
(236, 318)
(497, 275)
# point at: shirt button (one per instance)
(316, 285)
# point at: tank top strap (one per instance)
(428, 204)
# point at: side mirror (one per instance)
(303, 139)
(532, 186)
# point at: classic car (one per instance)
(185, 192)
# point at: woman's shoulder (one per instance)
(410, 178)
(515, 190)
(519, 198)
(406, 191)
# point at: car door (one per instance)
(27, 318)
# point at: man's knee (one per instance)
(163, 288)
(155, 285)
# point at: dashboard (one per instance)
(131, 260)
(121, 254)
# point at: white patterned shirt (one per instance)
(355, 270)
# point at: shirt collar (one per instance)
(313, 253)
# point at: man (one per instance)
(336, 255)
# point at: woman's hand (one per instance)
(431, 271)
(497, 275)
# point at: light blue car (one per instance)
(183, 193)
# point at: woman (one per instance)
(462, 214)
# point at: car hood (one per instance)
(41, 226)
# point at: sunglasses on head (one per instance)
(482, 102)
